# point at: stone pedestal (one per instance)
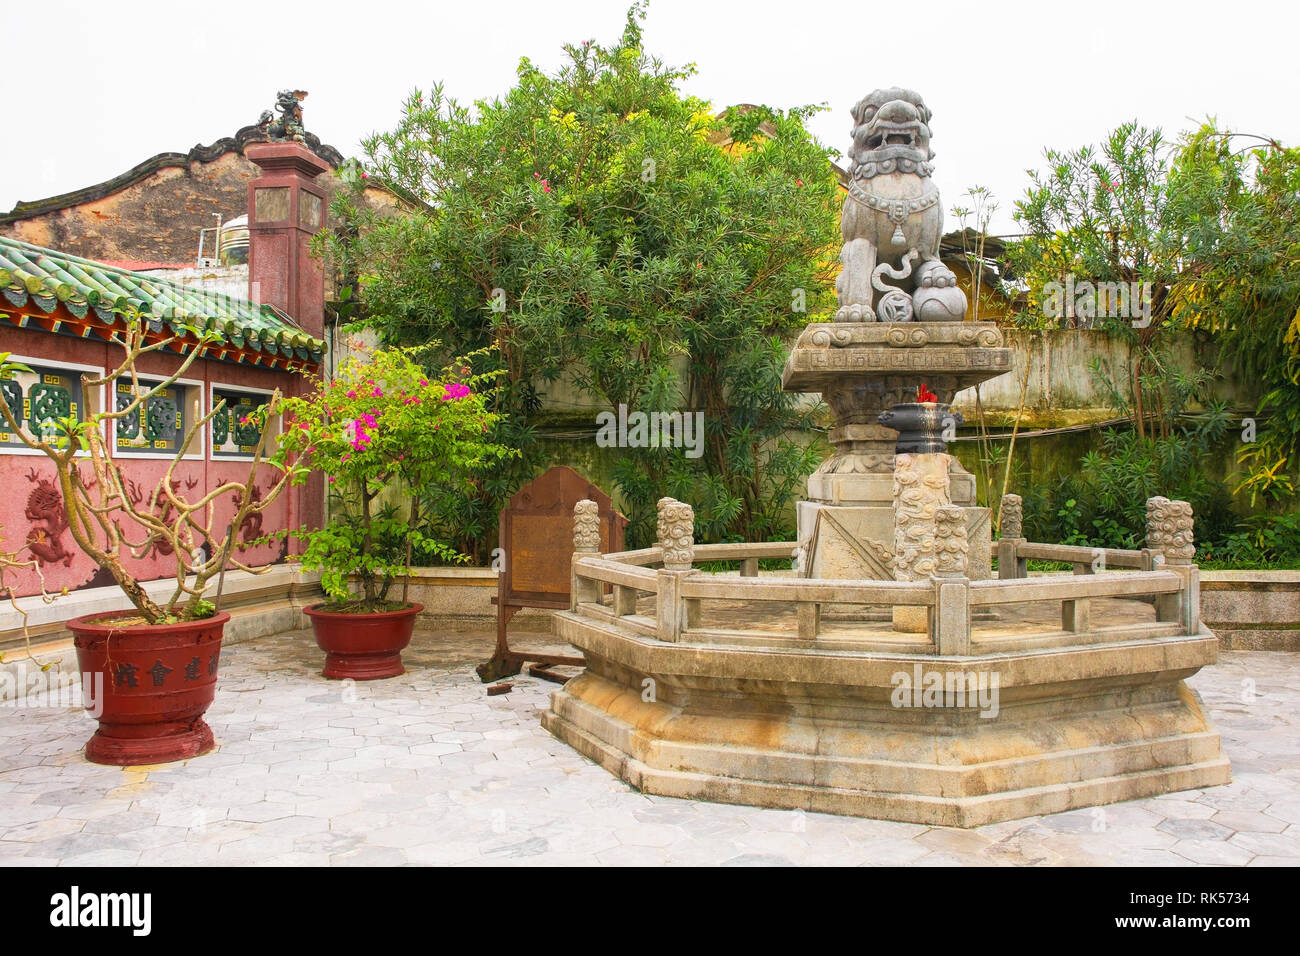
(846, 524)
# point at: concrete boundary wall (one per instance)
(1062, 387)
(1252, 610)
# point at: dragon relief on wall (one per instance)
(49, 521)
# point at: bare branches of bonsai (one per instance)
(111, 521)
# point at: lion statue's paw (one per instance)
(855, 313)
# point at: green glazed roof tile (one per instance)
(49, 277)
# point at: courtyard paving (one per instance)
(427, 769)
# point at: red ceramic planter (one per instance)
(363, 646)
(158, 682)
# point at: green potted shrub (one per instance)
(385, 433)
(157, 661)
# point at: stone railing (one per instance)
(947, 599)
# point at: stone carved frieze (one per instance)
(920, 489)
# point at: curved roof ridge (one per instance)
(24, 209)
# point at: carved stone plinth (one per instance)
(846, 524)
(920, 489)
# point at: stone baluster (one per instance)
(951, 621)
(586, 542)
(1171, 538)
(676, 534)
(676, 529)
(1010, 537)
(1170, 530)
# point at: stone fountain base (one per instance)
(815, 728)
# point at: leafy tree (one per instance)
(1238, 210)
(1100, 215)
(601, 225)
(382, 425)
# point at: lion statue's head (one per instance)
(892, 132)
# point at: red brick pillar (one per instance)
(286, 207)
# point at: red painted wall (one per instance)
(31, 498)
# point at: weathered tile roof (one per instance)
(43, 282)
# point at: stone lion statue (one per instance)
(892, 219)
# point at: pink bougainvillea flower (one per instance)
(331, 479)
(378, 392)
(352, 393)
(424, 381)
(798, 182)
(455, 390)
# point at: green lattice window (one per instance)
(220, 427)
(159, 423)
(13, 397)
(129, 426)
(236, 429)
(37, 400)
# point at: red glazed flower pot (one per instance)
(158, 681)
(363, 646)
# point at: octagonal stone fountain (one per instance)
(890, 675)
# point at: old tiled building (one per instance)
(59, 308)
(151, 215)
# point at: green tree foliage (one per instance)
(1214, 228)
(599, 224)
(382, 425)
(1238, 211)
(1100, 215)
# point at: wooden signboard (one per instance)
(536, 538)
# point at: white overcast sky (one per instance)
(97, 87)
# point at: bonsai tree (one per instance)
(384, 431)
(112, 525)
